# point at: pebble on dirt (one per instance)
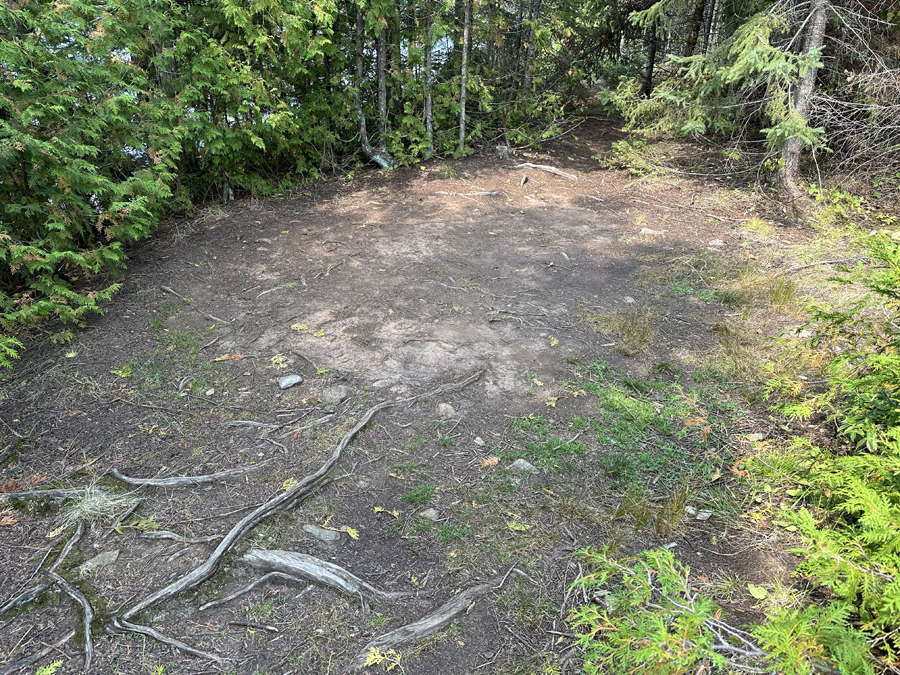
(320, 533)
(431, 514)
(98, 561)
(288, 381)
(446, 410)
(336, 394)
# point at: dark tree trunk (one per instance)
(467, 17)
(696, 23)
(708, 24)
(383, 160)
(651, 40)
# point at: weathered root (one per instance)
(62, 493)
(122, 626)
(544, 167)
(247, 589)
(23, 598)
(87, 616)
(283, 501)
(165, 534)
(181, 481)
(315, 570)
(423, 627)
(16, 666)
(79, 530)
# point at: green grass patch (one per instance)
(419, 495)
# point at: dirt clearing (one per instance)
(561, 374)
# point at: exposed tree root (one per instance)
(79, 530)
(247, 589)
(165, 534)
(181, 481)
(63, 493)
(87, 616)
(423, 627)
(315, 570)
(544, 167)
(24, 598)
(122, 626)
(16, 666)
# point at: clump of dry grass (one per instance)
(95, 505)
(633, 326)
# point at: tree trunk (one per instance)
(429, 129)
(381, 68)
(383, 160)
(652, 42)
(707, 28)
(534, 15)
(696, 24)
(802, 101)
(467, 17)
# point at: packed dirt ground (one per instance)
(573, 319)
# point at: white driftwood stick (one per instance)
(548, 169)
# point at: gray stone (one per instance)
(716, 242)
(288, 381)
(446, 410)
(335, 394)
(98, 561)
(431, 514)
(479, 441)
(628, 300)
(754, 438)
(522, 466)
(320, 533)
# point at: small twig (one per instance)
(544, 167)
(181, 481)
(165, 534)
(248, 423)
(28, 660)
(112, 528)
(827, 262)
(330, 267)
(122, 626)
(187, 300)
(87, 617)
(271, 290)
(247, 589)
(251, 624)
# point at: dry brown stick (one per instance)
(16, 666)
(87, 616)
(315, 570)
(122, 626)
(181, 481)
(544, 167)
(79, 530)
(247, 589)
(423, 627)
(279, 503)
(252, 624)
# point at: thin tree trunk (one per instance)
(429, 129)
(534, 15)
(696, 24)
(790, 153)
(652, 42)
(381, 67)
(383, 160)
(467, 16)
(707, 28)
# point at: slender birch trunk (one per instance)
(383, 160)
(429, 129)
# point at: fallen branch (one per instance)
(122, 626)
(277, 504)
(87, 616)
(181, 481)
(544, 167)
(247, 589)
(16, 666)
(423, 627)
(62, 493)
(315, 570)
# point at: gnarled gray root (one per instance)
(79, 530)
(315, 570)
(87, 616)
(122, 626)
(181, 481)
(23, 598)
(62, 493)
(247, 589)
(423, 627)
(16, 666)
(279, 503)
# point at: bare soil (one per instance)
(389, 285)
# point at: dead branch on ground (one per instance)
(181, 481)
(544, 167)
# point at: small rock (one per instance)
(98, 561)
(263, 240)
(648, 231)
(210, 392)
(386, 382)
(336, 394)
(716, 242)
(446, 410)
(522, 466)
(320, 533)
(479, 441)
(703, 515)
(690, 510)
(288, 381)
(628, 300)
(488, 655)
(502, 152)
(431, 514)
(262, 248)
(754, 438)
